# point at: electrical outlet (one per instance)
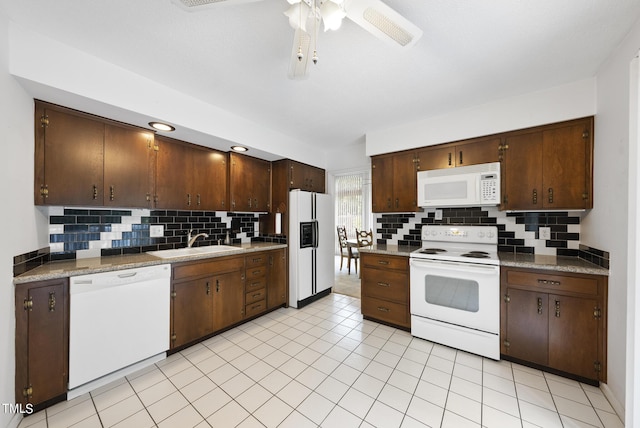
(544, 233)
(438, 215)
(156, 231)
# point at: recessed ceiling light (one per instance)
(239, 149)
(162, 126)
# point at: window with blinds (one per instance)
(349, 203)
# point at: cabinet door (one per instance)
(477, 152)
(277, 279)
(261, 195)
(228, 302)
(522, 173)
(127, 167)
(249, 183)
(381, 184)
(209, 175)
(567, 167)
(573, 335)
(436, 158)
(315, 179)
(42, 339)
(69, 158)
(173, 160)
(192, 310)
(405, 188)
(527, 326)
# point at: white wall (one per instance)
(570, 101)
(24, 226)
(608, 225)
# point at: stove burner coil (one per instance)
(432, 250)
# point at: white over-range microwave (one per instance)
(464, 186)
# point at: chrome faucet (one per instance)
(192, 239)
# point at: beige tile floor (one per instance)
(324, 366)
(345, 282)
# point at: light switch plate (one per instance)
(544, 232)
(438, 215)
(156, 231)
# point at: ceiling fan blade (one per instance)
(383, 22)
(302, 44)
(197, 5)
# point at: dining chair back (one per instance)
(365, 239)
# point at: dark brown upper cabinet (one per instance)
(89, 161)
(463, 153)
(189, 176)
(249, 183)
(549, 168)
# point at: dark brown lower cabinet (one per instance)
(192, 311)
(212, 295)
(42, 342)
(385, 289)
(277, 279)
(228, 299)
(555, 320)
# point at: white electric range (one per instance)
(455, 288)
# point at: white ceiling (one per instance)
(236, 56)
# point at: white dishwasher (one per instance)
(117, 319)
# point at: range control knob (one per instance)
(480, 234)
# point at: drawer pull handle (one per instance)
(383, 262)
(382, 309)
(256, 272)
(256, 306)
(383, 284)
(256, 295)
(548, 282)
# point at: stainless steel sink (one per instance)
(193, 251)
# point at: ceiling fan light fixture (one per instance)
(332, 15)
(297, 15)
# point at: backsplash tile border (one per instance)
(88, 232)
(518, 232)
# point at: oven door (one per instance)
(464, 294)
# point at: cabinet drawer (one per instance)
(574, 284)
(385, 262)
(258, 259)
(394, 313)
(218, 265)
(255, 296)
(387, 285)
(255, 308)
(255, 284)
(256, 272)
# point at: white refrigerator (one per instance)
(311, 258)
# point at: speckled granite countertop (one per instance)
(556, 263)
(67, 268)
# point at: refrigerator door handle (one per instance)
(316, 238)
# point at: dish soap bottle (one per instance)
(227, 241)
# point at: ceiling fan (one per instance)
(305, 16)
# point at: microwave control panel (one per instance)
(489, 188)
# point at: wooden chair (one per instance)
(344, 246)
(365, 239)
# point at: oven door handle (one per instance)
(466, 267)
